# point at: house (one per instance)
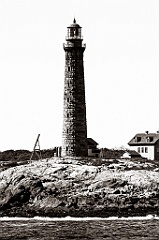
(147, 144)
(130, 154)
(93, 151)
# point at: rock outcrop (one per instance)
(61, 187)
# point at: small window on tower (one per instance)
(67, 99)
(146, 149)
(138, 149)
(69, 69)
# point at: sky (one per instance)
(121, 64)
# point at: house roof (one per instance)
(144, 139)
(133, 153)
(90, 141)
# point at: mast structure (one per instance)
(36, 149)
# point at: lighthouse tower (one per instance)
(74, 135)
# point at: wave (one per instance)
(68, 218)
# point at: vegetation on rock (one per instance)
(11, 158)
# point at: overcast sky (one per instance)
(121, 64)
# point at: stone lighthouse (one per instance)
(74, 135)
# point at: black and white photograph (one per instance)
(79, 122)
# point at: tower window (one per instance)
(74, 31)
(69, 68)
(138, 149)
(146, 149)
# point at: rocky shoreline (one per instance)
(80, 188)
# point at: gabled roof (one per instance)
(90, 141)
(144, 139)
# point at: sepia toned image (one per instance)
(79, 128)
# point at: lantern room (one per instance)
(74, 31)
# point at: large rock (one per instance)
(58, 187)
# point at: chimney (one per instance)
(147, 132)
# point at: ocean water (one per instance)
(139, 228)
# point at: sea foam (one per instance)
(68, 218)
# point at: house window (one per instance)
(142, 149)
(149, 139)
(69, 68)
(138, 149)
(146, 149)
(138, 139)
